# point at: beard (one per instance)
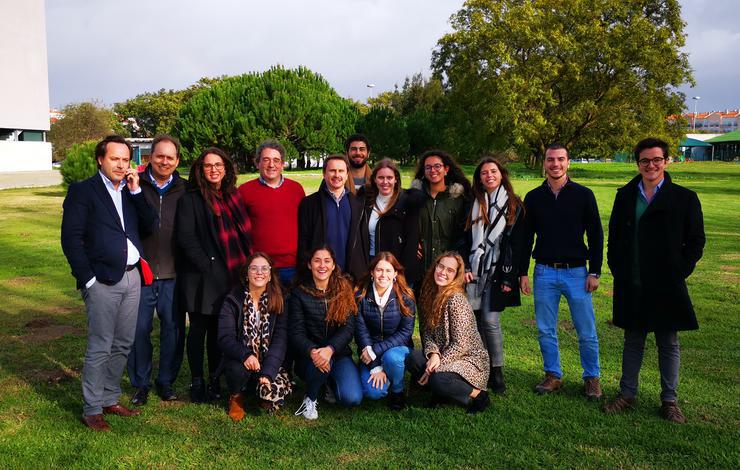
(355, 164)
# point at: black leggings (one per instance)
(203, 329)
(445, 384)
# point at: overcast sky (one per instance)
(110, 50)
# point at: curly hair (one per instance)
(479, 192)
(454, 172)
(400, 286)
(434, 297)
(275, 301)
(339, 292)
(197, 176)
(371, 188)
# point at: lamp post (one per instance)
(696, 101)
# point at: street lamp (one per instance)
(696, 101)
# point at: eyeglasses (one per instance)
(218, 166)
(435, 167)
(449, 270)
(647, 161)
(259, 269)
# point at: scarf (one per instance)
(486, 242)
(233, 230)
(256, 326)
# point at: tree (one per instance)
(297, 107)
(80, 163)
(386, 131)
(155, 113)
(595, 75)
(82, 122)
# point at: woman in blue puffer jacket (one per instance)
(385, 323)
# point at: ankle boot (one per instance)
(236, 407)
(496, 380)
(198, 390)
(214, 389)
(479, 403)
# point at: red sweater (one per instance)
(274, 216)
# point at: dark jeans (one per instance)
(237, 376)
(203, 329)
(444, 384)
(346, 386)
(669, 358)
(160, 296)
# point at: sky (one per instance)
(109, 50)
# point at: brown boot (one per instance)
(619, 404)
(236, 407)
(670, 411)
(592, 388)
(549, 384)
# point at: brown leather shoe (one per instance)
(95, 422)
(592, 388)
(236, 407)
(619, 404)
(670, 411)
(120, 410)
(549, 384)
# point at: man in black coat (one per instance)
(656, 237)
(162, 187)
(334, 216)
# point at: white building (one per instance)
(24, 87)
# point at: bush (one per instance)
(80, 163)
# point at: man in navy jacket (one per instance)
(100, 238)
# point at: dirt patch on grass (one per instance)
(55, 376)
(45, 329)
(21, 281)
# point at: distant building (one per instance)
(714, 121)
(24, 87)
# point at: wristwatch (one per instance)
(594, 275)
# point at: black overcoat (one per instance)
(671, 240)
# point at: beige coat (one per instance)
(458, 343)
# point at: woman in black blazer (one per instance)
(253, 337)
(212, 232)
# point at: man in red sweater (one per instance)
(272, 203)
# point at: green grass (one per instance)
(42, 324)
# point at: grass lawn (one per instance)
(42, 333)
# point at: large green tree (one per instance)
(386, 131)
(81, 122)
(595, 75)
(295, 106)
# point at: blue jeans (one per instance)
(343, 371)
(159, 295)
(393, 362)
(549, 285)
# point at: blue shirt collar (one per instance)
(642, 189)
(264, 182)
(109, 184)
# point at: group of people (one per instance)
(277, 285)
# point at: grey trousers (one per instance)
(111, 325)
(489, 326)
(669, 356)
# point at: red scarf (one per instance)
(234, 229)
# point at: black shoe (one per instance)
(167, 393)
(396, 401)
(496, 380)
(198, 390)
(479, 403)
(214, 389)
(436, 401)
(140, 397)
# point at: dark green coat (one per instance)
(442, 222)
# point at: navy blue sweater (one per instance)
(560, 223)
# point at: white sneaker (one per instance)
(308, 409)
(329, 396)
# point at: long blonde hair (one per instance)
(433, 297)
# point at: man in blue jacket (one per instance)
(100, 238)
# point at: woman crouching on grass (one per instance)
(454, 362)
(253, 336)
(322, 312)
(385, 323)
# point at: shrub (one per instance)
(80, 163)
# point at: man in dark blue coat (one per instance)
(656, 237)
(100, 238)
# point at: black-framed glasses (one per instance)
(647, 161)
(217, 166)
(435, 167)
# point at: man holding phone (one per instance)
(100, 238)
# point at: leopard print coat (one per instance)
(458, 343)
